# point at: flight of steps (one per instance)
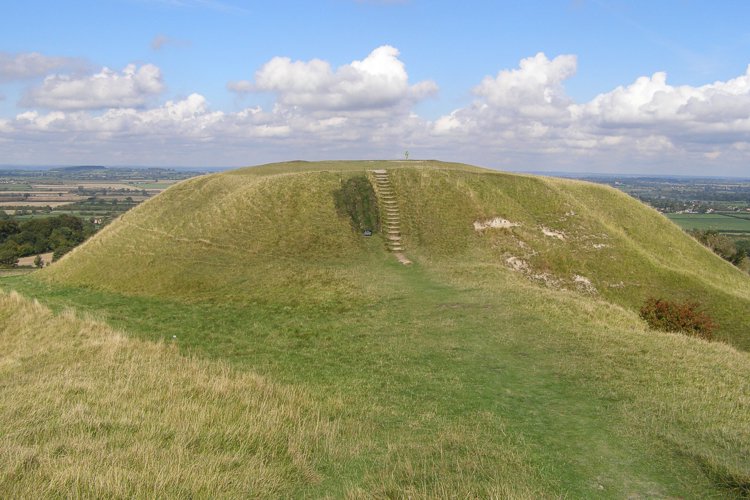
(391, 222)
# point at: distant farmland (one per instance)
(98, 193)
(724, 223)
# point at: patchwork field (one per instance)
(98, 192)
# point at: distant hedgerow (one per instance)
(683, 317)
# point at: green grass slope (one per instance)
(273, 234)
(485, 369)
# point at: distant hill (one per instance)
(78, 168)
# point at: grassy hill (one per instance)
(503, 362)
(273, 234)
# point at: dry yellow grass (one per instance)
(29, 261)
(85, 411)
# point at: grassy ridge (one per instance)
(456, 376)
(240, 242)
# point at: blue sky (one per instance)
(606, 86)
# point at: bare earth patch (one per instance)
(29, 261)
(494, 223)
(402, 258)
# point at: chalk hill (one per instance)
(273, 233)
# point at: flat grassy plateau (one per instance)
(235, 336)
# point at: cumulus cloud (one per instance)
(527, 109)
(378, 81)
(187, 119)
(519, 118)
(107, 89)
(28, 65)
(652, 101)
(533, 90)
(527, 102)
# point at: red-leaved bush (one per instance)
(684, 317)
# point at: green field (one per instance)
(16, 187)
(151, 185)
(735, 223)
(235, 337)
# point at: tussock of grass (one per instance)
(89, 412)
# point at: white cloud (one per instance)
(527, 102)
(651, 100)
(107, 89)
(33, 64)
(376, 82)
(526, 112)
(533, 90)
(182, 120)
(520, 118)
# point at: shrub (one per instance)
(684, 317)
(721, 245)
(357, 199)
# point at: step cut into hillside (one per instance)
(391, 215)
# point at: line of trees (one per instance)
(57, 234)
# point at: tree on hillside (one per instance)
(721, 245)
(42, 235)
(8, 253)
